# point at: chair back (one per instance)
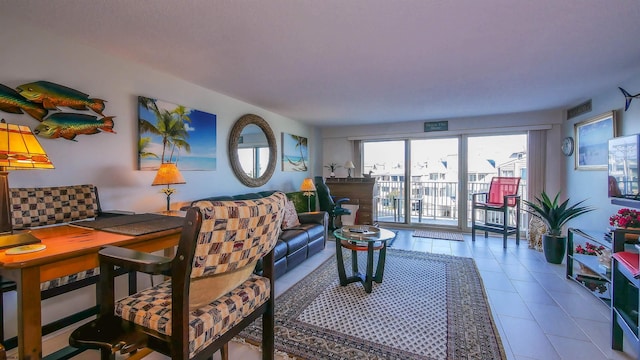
(236, 233)
(325, 201)
(502, 186)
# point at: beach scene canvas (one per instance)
(174, 133)
(295, 153)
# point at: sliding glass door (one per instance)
(498, 155)
(386, 161)
(420, 181)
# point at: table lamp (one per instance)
(168, 174)
(349, 165)
(19, 150)
(309, 188)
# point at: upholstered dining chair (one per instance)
(212, 293)
(328, 203)
(495, 206)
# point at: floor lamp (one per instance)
(309, 189)
(19, 150)
(168, 174)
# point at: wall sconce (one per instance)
(349, 165)
(309, 189)
(168, 174)
(19, 150)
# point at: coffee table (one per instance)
(362, 238)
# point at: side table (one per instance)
(366, 241)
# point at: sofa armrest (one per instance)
(317, 217)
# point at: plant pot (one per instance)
(554, 248)
(332, 174)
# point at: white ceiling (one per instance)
(332, 62)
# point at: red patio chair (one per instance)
(502, 196)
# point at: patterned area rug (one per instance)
(428, 306)
(438, 235)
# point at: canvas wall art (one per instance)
(295, 153)
(174, 133)
(592, 141)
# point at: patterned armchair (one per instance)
(212, 293)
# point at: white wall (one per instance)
(110, 160)
(592, 185)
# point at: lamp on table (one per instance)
(309, 189)
(349, 165)
(168, 174)
(19, 150)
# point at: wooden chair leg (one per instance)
(224, 352)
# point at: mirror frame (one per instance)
(234, 138)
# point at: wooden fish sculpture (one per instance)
(12, 102)
(628, 97)
(68, 125)
(52, 95)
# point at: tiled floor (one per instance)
(539, 313)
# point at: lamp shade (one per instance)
(20, 149)
(307, 185)
(349, 165)
(168, 174)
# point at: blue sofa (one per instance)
(295, 244)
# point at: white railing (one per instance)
(431, 201)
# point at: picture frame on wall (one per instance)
(169, 132)
(591, 138)
(295, 153)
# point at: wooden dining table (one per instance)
(69, 250)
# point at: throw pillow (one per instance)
(290, 218)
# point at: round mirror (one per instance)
(252, 150)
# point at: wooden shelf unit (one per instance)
(359, 191)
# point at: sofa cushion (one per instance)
(313, 230)
(280, 250)
(295, 239)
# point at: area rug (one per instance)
(428, 306)
(438, 235)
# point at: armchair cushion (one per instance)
(151, 308)
(205, 289)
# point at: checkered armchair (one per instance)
(219, 238)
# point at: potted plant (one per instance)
(332, 167)
(555, 215)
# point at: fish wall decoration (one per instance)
(628, 97)
(69, 125)
(12, 102)
(52, 95)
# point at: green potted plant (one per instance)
(332, 167)
(555, 215)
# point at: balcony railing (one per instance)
(431, 201)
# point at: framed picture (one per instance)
(169, 132)
(295, 153)
(591, 137)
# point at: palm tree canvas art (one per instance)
(295, 153)
(175, 133)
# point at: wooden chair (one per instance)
(497, 202)
(328, 203)
(183, 317)
(46, 206)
